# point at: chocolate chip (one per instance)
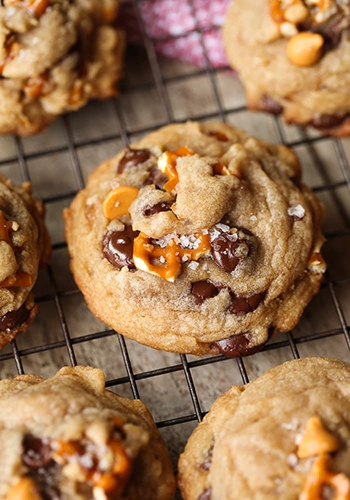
(327, 121)
(244, 305)
(205, 495)
(132, 157)
(162, 206)
(235, 346)
(36, 452)
(228, 251)
(202, 290)
(117, 247)
(270, 105)
(13, 319)
(156, 177)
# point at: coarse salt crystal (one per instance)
(193, 265)
(297, 211)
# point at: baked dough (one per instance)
(67, 437)
(24, 246)
(286, 435)
(197, 239)
(292, 57)
(55, 55)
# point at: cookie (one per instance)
(24, 246)
(197, 239)
(284, 436)
(67, 437)
(292, 57)
(55, 55)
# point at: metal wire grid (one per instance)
(293, 341)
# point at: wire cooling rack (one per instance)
(178, 389)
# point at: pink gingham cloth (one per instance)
(172, 25)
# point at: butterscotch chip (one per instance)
(24, 246)
(302, 71)
(68, 437)
(55, 55)
(247, 445)
(215, 252)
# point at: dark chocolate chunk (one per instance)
(132, 157)
(270, 105)
(227, 251)
(13, 319)
(162, 206)
(156, 177)
(235, 346)
(327, 121)
(36, 452)
(118, 246)
(244, 305)
(202, 290)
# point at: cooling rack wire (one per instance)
(178, 389)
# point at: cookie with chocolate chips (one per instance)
(292, 58)
(68, 438)
(283, 436)
(24, 246)
(197, 239)
(55, 55)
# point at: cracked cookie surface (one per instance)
(67, 437)
(197, 239)
(55, 55)
(292, 58)
(24, 246)
(284, 435)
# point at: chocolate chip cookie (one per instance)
(24, 246)
(67, 437)
(292, 58)
(55, 55)
(197, 239)
(283, 436)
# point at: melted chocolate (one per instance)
(156, 177)
(117, 247)
(270, 105)
(132, 157)
(244, 305)
(202, 290)
(12, 319)
(162, 206)
(36, 452)
(227, 252)
(327, 121)
(235, 346)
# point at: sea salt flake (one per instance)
(223, 227)
(297, 211)
(193, 265)
(292, 460)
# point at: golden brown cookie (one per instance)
(292, 57)
(197, 239)
(67, 437)
(24, 246)
(55, 55)
(286, 435)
